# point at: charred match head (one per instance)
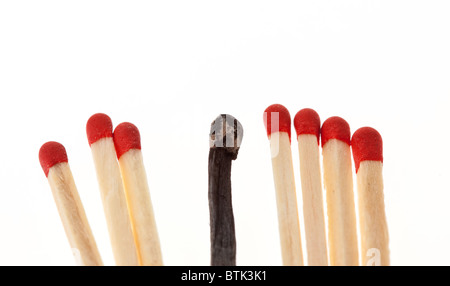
(226, 132)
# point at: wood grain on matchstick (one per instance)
(367, 146)
(278, 125)
(338, 181)
(307, 126)
(54, 162)
(127, 143)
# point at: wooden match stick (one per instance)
(127, 143)
(367, 147)
(54, 162)
(307, 126)
(277, 121)
(338, 180)
(99, 132)
(225, 139)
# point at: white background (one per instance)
(170, 67)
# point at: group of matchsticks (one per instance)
(129, 213)
(124, 192)
(341, 248)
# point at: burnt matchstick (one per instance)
(367, 147)
(99, 132)
(307, 126)
(277, 121)
(225, 139)
(54, 162)
(338, 181)
(127, 141)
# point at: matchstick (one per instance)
(99, 133)
(54, 162)
(225, 139)
(338, 181)
(367, 147)
(127, 143)
(277, 121)
(307, 126)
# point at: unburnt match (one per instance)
(277, 121)
(225, 139)
(307, 126)
(99, 130)
(127, 143)
(338, 181)
(367, 147)
(54, 162)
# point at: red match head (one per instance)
(50, 154)
(307, 121)
(98, 126)
(335, 128)
(367, 145)
(277, 119)
(126, 136)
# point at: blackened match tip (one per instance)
(226, 132)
